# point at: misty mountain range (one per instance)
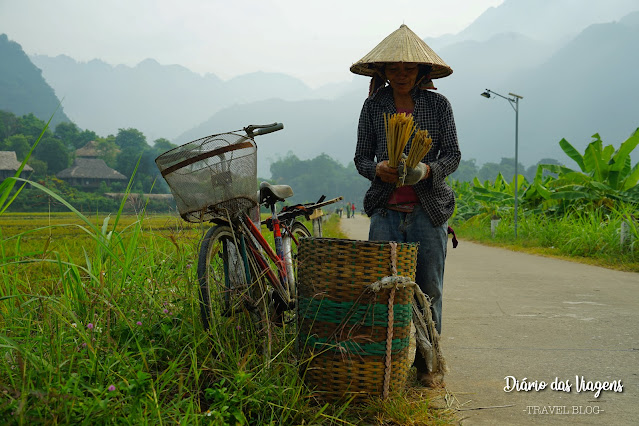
(23, 90)
(574, 62)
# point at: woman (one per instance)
(402, 66)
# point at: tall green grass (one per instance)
(104, 327)
(99, 323)
(590, 235)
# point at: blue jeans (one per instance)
(416, 227)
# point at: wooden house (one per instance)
(88, 170)
(9, 165)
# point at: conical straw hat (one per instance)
(403, 45)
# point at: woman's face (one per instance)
(402, 76)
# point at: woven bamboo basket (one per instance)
(353, 343)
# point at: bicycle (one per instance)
(213, 179)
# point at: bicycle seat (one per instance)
(273, 193)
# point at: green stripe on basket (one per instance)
(368, 315)
(347, 347)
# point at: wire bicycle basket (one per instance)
(214, 176)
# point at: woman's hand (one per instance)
(414, 175)
(386, 173)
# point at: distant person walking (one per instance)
(353, 210)
(348, 210)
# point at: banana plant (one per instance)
(466, 206)
(604, 174)
(498, 197)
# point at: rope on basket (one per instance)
(426, 334)
(389, 344)
(389, 328)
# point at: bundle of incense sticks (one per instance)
(419, 147)
(399, 128)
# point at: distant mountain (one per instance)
(159, 100)
(491, 61)
(311, 127)
(552, 21)
(588, 86)
(22, 88)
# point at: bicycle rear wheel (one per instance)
(226, 295)
(290, 243)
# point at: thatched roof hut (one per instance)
(88, 170)
(89, 150)
(9, 165)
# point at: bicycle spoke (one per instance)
(233, 309)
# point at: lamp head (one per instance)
(486, 94)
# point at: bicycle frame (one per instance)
(280, 281)
(281, 256)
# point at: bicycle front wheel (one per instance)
(227, 292)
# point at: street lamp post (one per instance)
(514, 103)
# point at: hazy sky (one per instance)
(316, 41)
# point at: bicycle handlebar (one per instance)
(262, 129)
(325, 203)
(292, 212)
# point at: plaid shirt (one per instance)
(433, 113)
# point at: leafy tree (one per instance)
(131, 138)
(162, 145)
(103, 188)
(148, 171)
(17, 143)
(85, 137)
(71, 135)
(31, 126)
(68, 133)
(53, 152)
(127, 160)
(319, 176)
(9, 124)
(108, 150)
(132, 145)
(287, 168)
(159, 185)
(488, 172)
(39, 167)
(466, 171)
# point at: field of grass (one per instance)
(99, 324)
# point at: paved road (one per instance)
(513, 314)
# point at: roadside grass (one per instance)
(99, 321)
(588, 237)
(332, 229)
(104, 327)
